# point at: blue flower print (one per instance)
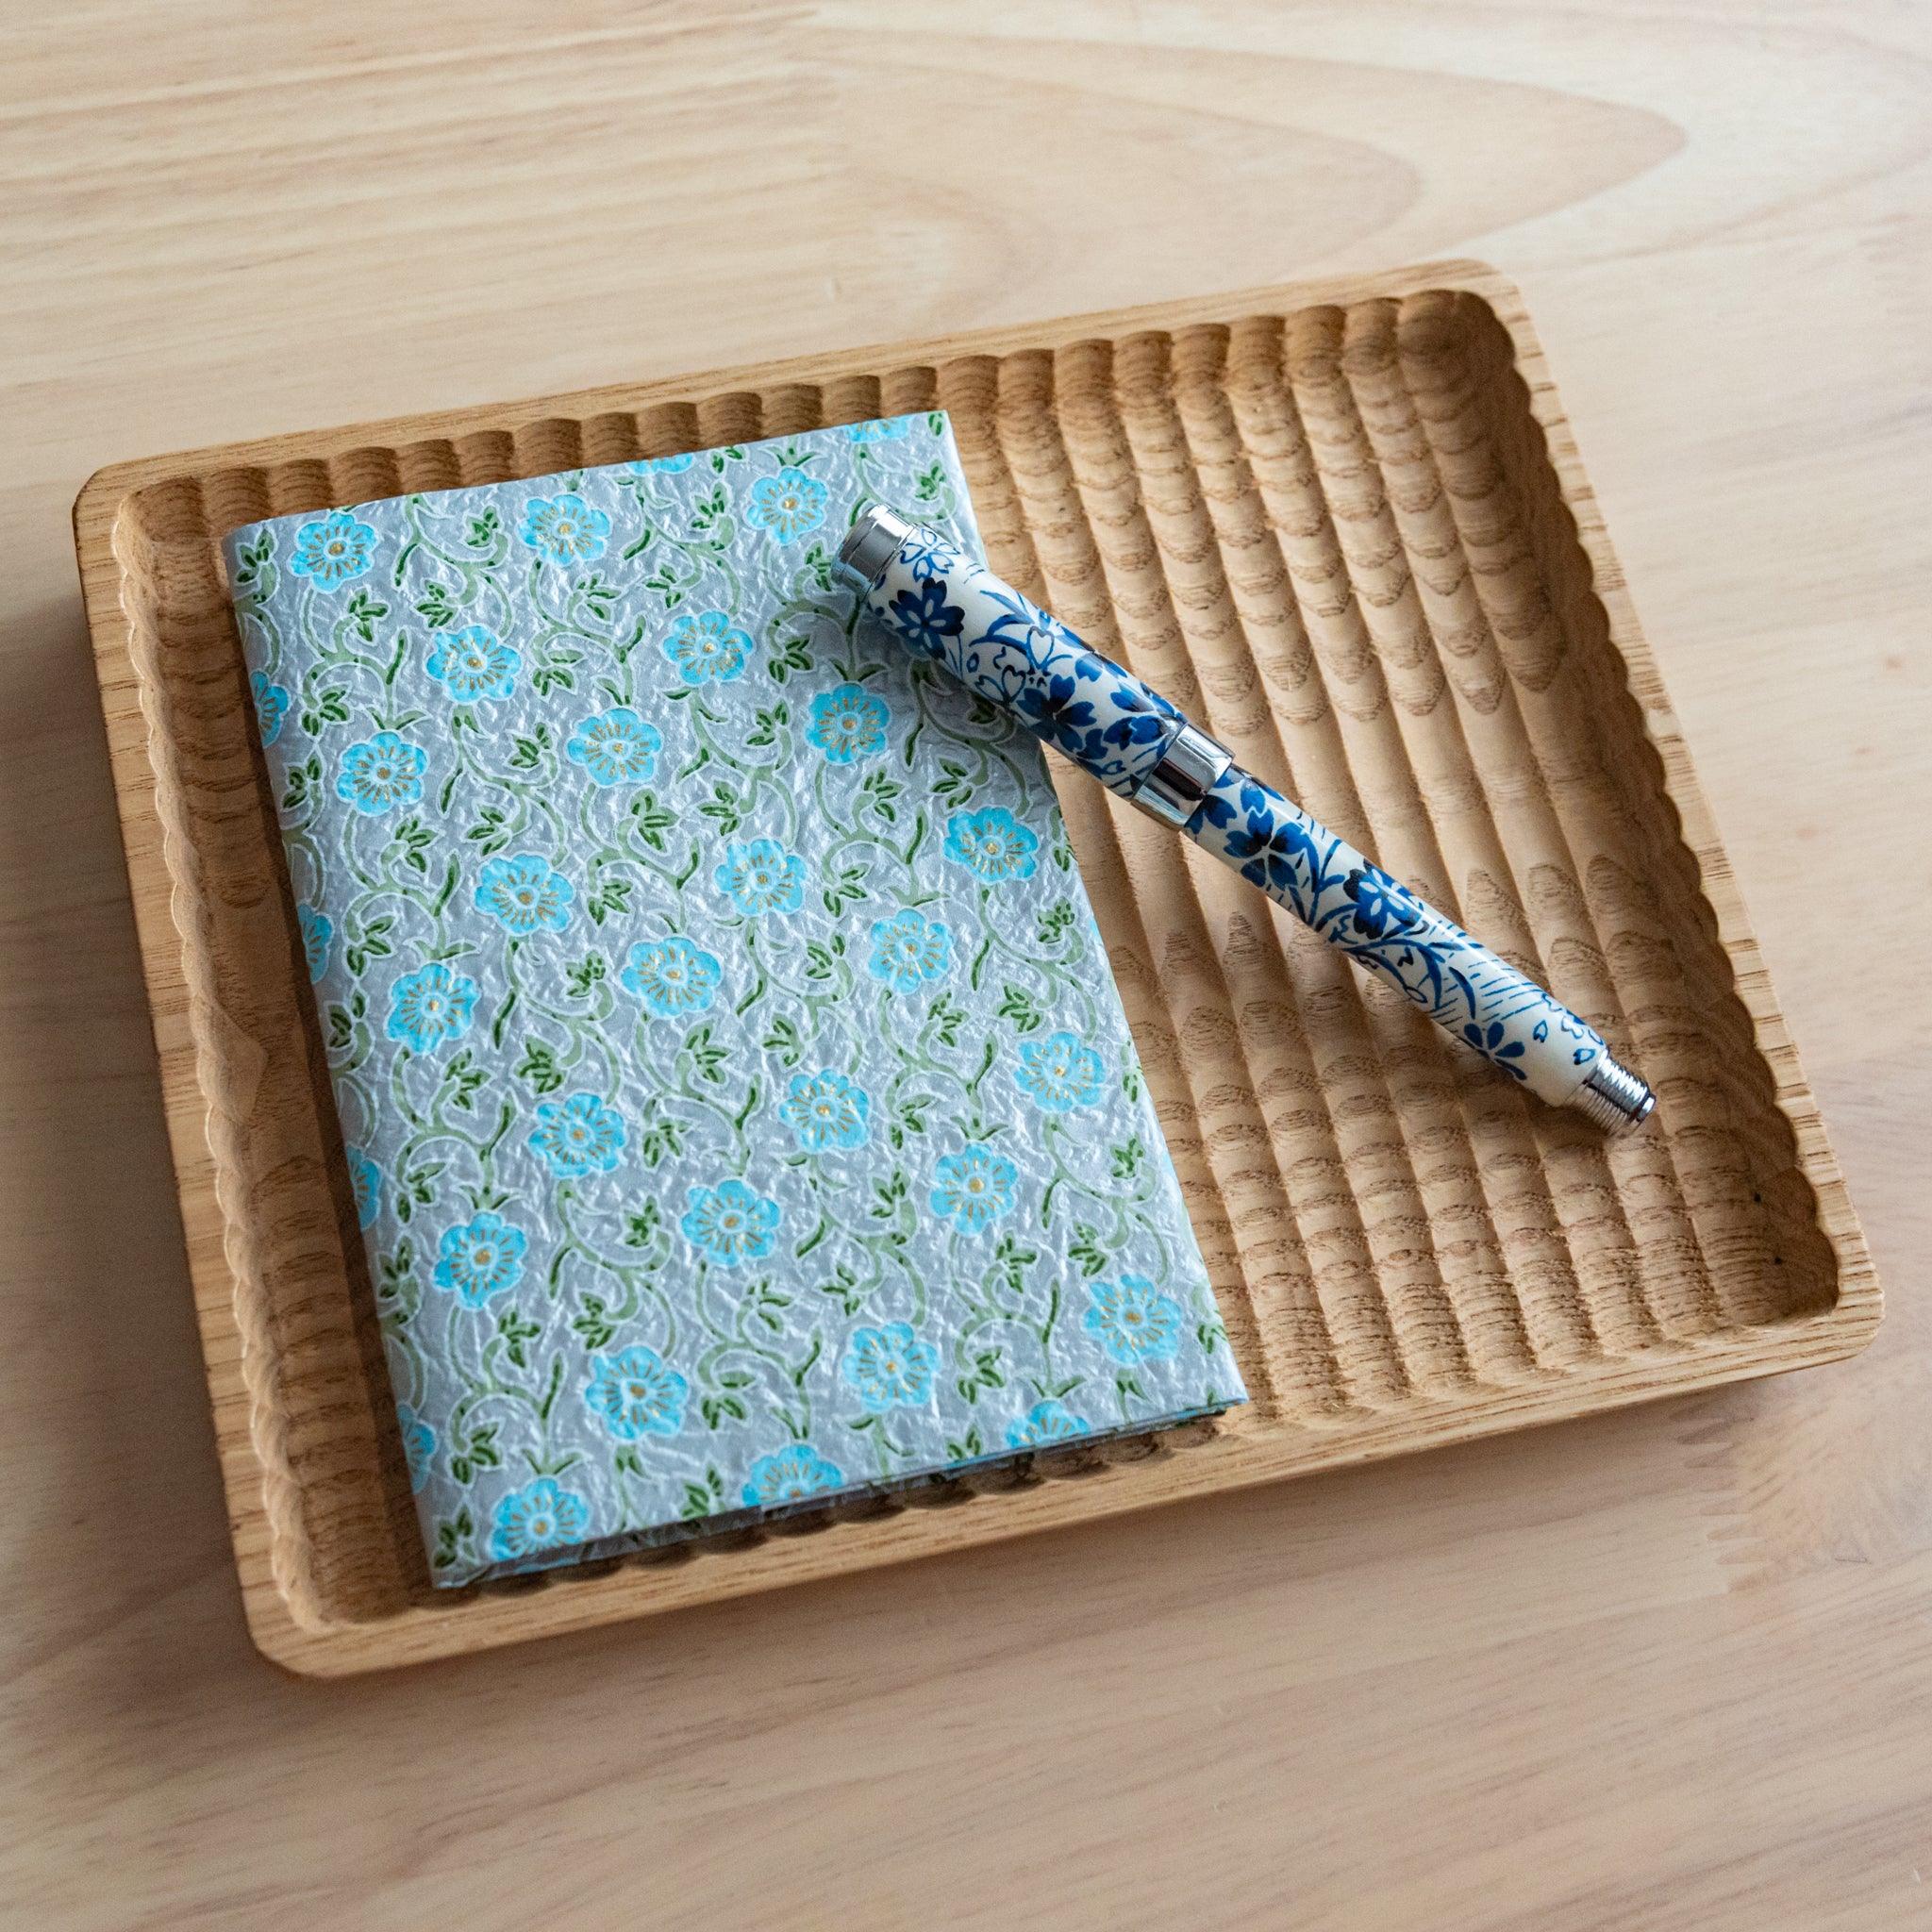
(271, 706)
(761, 877)
(972, 1188)
(926, 554)
(706, 648)
(848, 723)
(616, 747)
(789, 1477)
(922, 619)
(578, 1136)
(1057, 711)
(525, 893)
(633, 1393)
(729, 1224)
(480, 1259)
(880, 429)
(419, 1445)
(908, 949)
(889, 1367)
(542, 1517)
(1270, 849)
(318, 934)
(1571, 1027)
(1382, 905)
(1494, 1042)
(429, 1006)
(671, 976)
(330, 552)
(1140, 717)
(473, 663)
(1132, 1321)
(1050, 641)
(365, 1184)
(825, 1111)
(382, 772)
(664, 466)
(788, 504)
(1059, 1074)
(564, 530)
(1044, 1422)
(992, 843)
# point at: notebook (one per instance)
(739, 1108)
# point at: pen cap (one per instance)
(870, 543)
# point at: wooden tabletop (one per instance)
(1673, 1668)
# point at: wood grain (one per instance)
(1344, 525)
(1662, 1669)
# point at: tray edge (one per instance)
(426, 1632)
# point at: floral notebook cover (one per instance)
(740, 1108)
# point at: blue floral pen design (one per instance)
(943, 606)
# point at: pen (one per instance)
(1004, 648)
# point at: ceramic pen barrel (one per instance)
(1004, 648)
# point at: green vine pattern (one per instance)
(738, 1107)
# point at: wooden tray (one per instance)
(1345, 524)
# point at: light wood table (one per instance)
(1669, 1668)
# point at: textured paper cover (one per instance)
(739, 1106)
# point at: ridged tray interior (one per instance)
(1350, 536)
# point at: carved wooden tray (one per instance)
(1347, 525)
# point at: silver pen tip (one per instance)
(1614, 1098)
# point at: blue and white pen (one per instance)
(1004, 648)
